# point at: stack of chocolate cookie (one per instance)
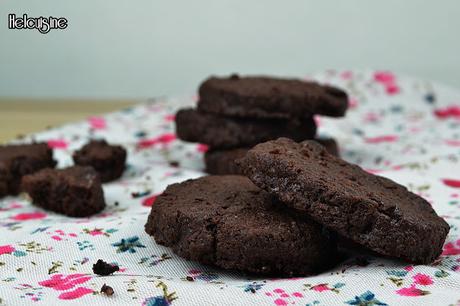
(236, 113)
(284, 217)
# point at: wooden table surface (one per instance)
(23, 116)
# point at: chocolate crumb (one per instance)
(107, 290)
(189, 278)
(174, 163)
(103, 268)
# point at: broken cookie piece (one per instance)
(21, 159)
(102, 268)
(108, 160)
(107, 290)
(74, 191)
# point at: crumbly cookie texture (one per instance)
(228, 222)
(370, 210)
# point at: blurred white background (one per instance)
(134, 49)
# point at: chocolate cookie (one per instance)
(108, 160)
(21, 159)
(223, 161)
(268, 97)
(224, 132)
(228, 222)
(74, 191)
(371, 210)
(330, 144)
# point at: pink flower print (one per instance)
(280, 302)
(202, 148)
(97, 123)
(57, 144)
(409, 268)
(282, 297)
(95, 232)
(149, 201)
(12, 205)
(352, 103)
(452, 248)
(166, 138)
(59, 235)
(380, 139)
(61, 282)
(170, 118)
(452, 142)
(448, 112)
(422, 279)
(411, 291)
(29, 216)
(346, 75)
(384, 77)
(6, 249)
(392, 89)
(320, 287)
(451, 183)
(371, 117)
(162, 139)
(75, 294)
(146, 143)
(388, 80)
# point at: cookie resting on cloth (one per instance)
(75, 191)
(17, 160)
(227, 221)
(108, 160)
(370, 210)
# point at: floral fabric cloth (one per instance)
(403, 128)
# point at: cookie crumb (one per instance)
(103, 268)
(107, 290)
(174, 163)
